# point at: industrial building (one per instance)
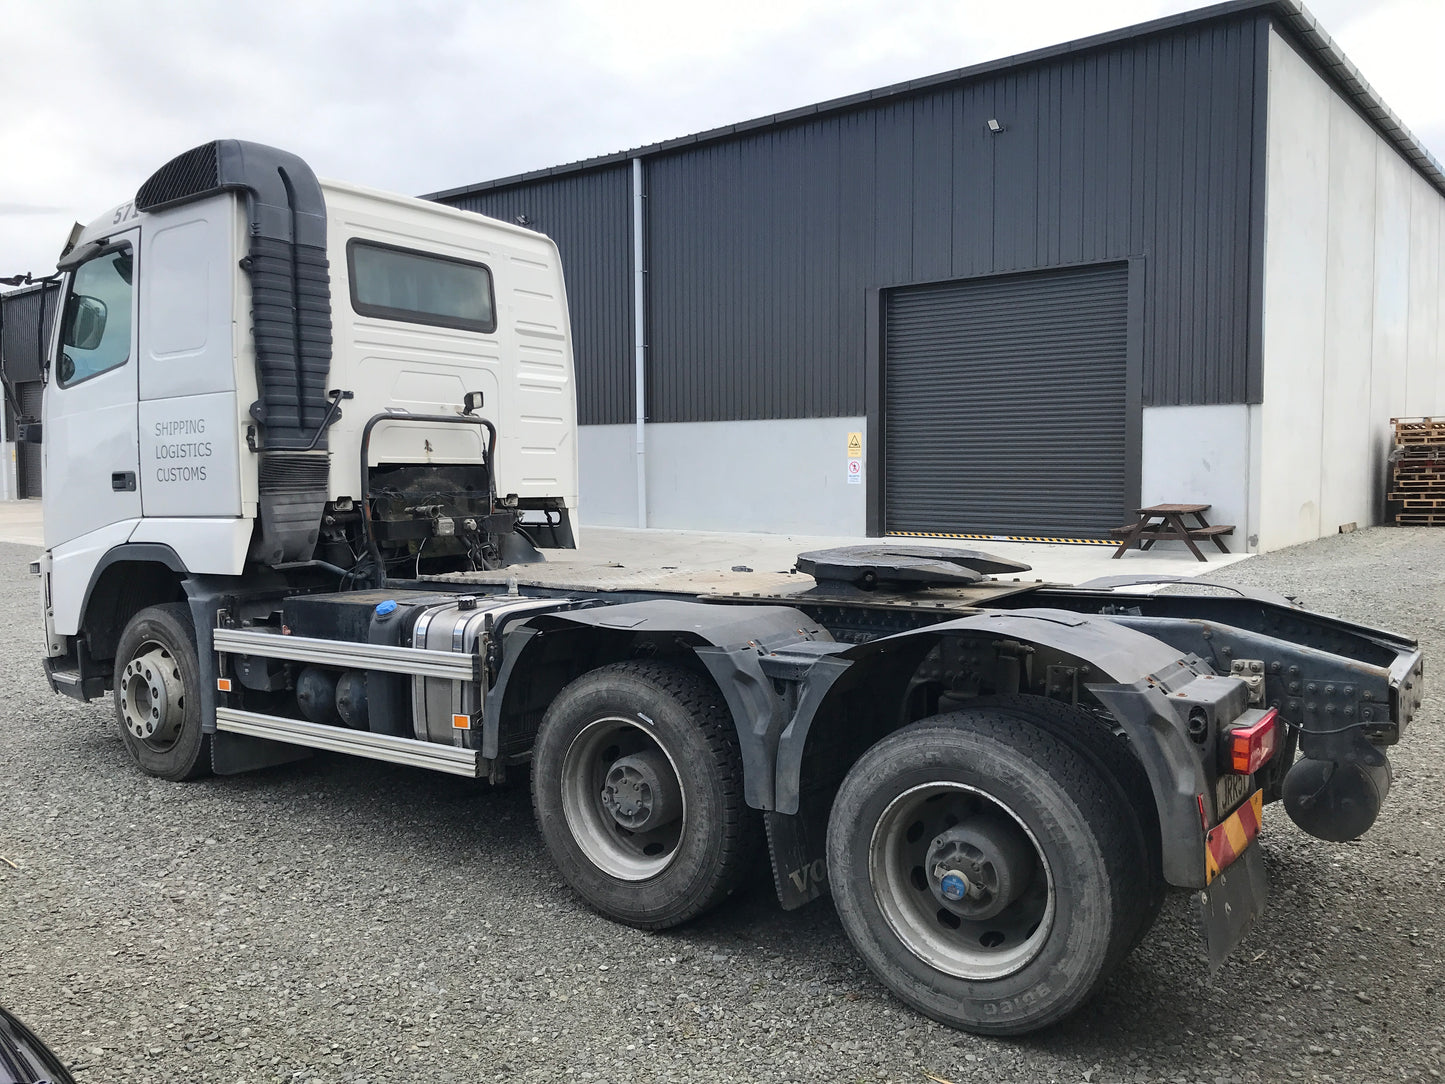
(26, 321)
(1197, 260)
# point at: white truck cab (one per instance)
(246, 352)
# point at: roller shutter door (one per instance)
(1005, 405)
(27, 467)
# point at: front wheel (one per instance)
(637, 788)
(158, 694)
(988, 875)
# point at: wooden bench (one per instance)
(1165, 523)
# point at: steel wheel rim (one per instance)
(617, 851)
(153, 696)
(976, 950)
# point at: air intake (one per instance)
(290, 311)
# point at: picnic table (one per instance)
(1166, 523)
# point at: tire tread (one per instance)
(1112, 756)
(740, 826)
(187, 763)
(1093, 792)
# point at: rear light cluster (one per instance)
(1250, 747)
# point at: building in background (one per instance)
(25, 325)
(1196, 260)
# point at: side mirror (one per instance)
(84, 322)
(471, 402)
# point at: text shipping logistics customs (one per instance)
(182, 450)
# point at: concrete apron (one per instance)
(21, 523)
(708, 550)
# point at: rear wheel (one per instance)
(157, 694)
(987, 874)
(638, 792)
(1089, 736)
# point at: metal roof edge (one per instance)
(1307, 31)
(1292, 14)
(20, 291)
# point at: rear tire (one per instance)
(158, 694)
(1050, 902)
(1088, 735)
(637, 786)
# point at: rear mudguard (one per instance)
(778, 671)
(732, 642)
(1151, 688)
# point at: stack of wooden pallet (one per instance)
(1416, 496)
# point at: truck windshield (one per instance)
(96, 332)
(420, 287)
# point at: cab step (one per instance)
(360, 743)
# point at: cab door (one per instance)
(89, 433)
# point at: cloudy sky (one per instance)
(423, 95)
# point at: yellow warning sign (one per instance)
(855, 445)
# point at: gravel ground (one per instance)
(344, 921)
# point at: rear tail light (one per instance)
(1251, 746)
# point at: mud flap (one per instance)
(1229, 907)
(232, 754)
(797, 845)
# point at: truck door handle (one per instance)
(123, 481)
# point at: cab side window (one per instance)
(95, 335)
(394, 283)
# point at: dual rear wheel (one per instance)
(992, 866)
(637, 785)
(987, 870)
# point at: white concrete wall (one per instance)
(607, 475)
(1352, 328)
(771, 476)
(1200, 455)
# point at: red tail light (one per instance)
(1250, 747)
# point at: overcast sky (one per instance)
(424, 95)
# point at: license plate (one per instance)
(1230, 789)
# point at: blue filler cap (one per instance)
(384, 608)
(954, 887)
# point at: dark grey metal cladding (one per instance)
(25, 339)
(25, 326)
(29, 471)
(1006, 405)
(589, 216)
(761, 247)
(763, 242)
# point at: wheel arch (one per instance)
(1141, 680)
(126, 580)
(722, 642)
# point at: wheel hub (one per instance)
(972, 923)
(152, 696)
(623, 799)
(641, 793)
(979, 867)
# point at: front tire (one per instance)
(637, 786)
(158, 694)
(986, 873)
